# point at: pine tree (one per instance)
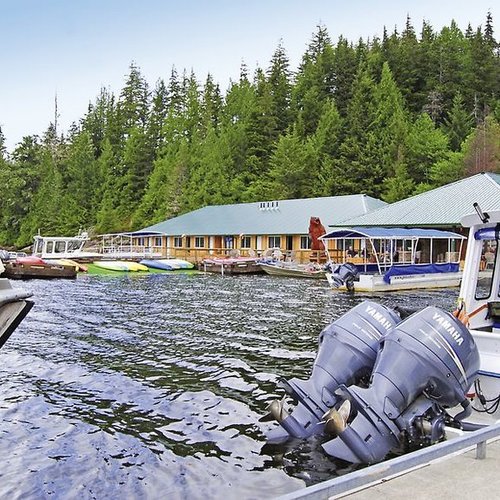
(279, 81)
(425, 145)
(482, 148)
(458, 124)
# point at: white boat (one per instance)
(479, 305)
(14, 306)
(113, 246)
(62, 247)
(386, 379)
(385, 259)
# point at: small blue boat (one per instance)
(167, 264)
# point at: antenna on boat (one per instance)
(484, 216)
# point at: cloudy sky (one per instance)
(75, 47)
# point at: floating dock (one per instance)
(462, 467)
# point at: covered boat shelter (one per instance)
(379, 248)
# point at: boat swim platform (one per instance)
(465, 467)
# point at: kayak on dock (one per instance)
(80, 268)
(167, 264)
(120, 265)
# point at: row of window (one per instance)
(246, 242)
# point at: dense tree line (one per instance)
(389, 117)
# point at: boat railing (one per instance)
(360, 479)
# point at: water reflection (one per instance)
(152, 386)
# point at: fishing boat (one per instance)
(479, 304)
(120, 265)
(14, 306)
(167, 264)
(386, 380)
(232, 265)
(386, 259)
(62, 247)
(293, 270)
(112, 246)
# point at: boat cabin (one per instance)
(59, 247)
(480, 291)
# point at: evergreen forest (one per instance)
(389, 117)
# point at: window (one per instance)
(140, 241)
(60, 246)
(487, 266)
(199, 242)
(274, 242)
(157, 241)
(246, 242)
(177, 241)
(305, 243)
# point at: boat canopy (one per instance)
(389, 233)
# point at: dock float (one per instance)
(461, 467)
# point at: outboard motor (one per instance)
(343, 274)
(346, 355)
(425, 364)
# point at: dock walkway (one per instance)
(466, 466)
(458, 476)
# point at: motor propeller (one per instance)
(276, 411)
(336, 420)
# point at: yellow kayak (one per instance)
(68, 262)
(120, 265)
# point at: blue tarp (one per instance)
(405, 270)
(395, 233)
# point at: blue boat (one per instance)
(167, 264)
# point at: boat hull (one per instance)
(14, 306)
(232, 266)
(293, 272)
(44, 270)
(376, 283)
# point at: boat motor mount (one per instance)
(343, 274)
(346, 354)
(425, 364)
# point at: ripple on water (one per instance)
(152, 386)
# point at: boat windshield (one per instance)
(487, 263)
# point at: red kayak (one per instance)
(30, 259)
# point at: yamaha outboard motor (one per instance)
(346, 355)
(425, 364)
(343, 274)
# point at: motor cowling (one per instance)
(343, 274)
(428, 360)
(346, 354)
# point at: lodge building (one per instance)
(250, 229)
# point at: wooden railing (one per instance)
(198, 254)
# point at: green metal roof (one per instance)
(272, 217)
(440, 207)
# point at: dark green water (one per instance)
(152, 386)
